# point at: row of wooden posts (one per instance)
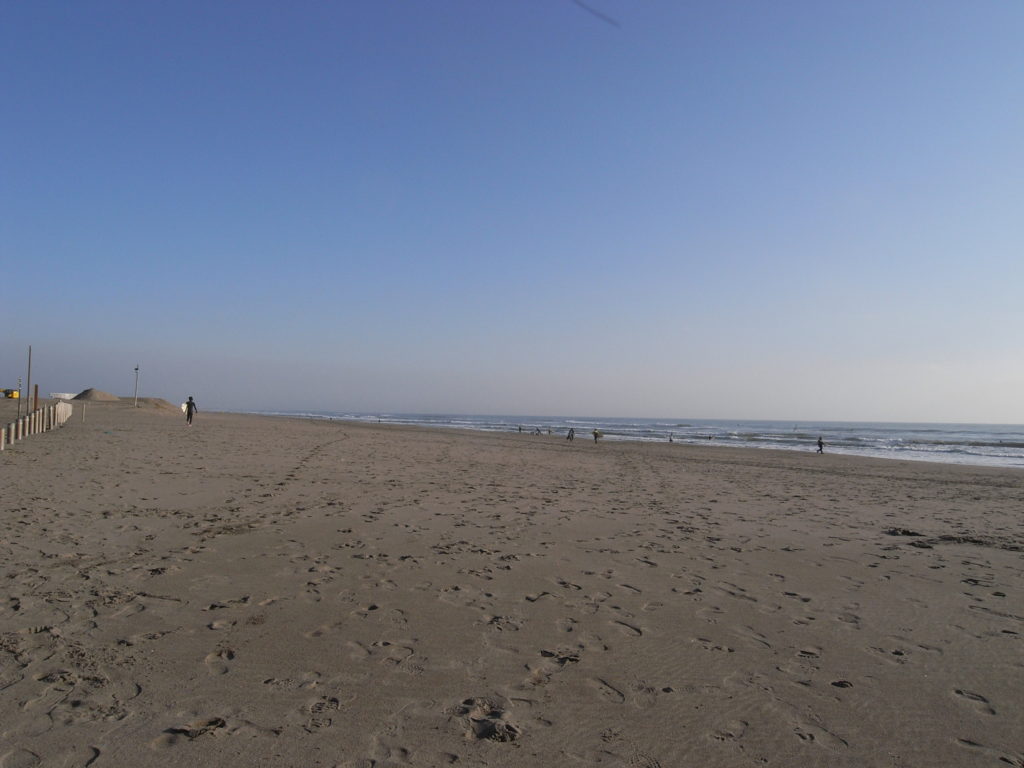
(40, 420)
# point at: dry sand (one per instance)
(272, 592)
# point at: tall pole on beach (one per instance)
(28, 384)
(136, 386)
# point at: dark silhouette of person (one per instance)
(821, 446)
(572, 434)
(190, 409)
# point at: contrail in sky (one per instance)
(597, 13)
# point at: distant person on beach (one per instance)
(572, 434)
(190, 409)
(821, 445)
(597, 434)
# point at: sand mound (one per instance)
(156, 402)
(96, 394)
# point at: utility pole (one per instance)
(19, 397)
(136, 386)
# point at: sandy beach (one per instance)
(258, 591)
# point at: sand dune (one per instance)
(97, 395)
(255, 591)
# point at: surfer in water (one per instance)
(190, 409)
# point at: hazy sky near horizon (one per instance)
(795, 210)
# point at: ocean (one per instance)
(994, 445)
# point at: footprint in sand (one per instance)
(553, 662)
(357, 650)
(754, 637)
(1017, 761)
(391, 653)
(731, 731)
(487, 720)
(321, 631)
(20, 758)
(192, 731)
(217, 663)
(980, 702)
(629, 629)
(608, 691)
(81, 756)
(814, 734)
(321, 713)
(639, 759)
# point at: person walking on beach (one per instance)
(572, 434)
(190, 409)
(821, 445)
(597, 434)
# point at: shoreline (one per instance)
(699, 448)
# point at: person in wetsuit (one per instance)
(190, 409)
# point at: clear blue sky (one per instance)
(804, 209)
